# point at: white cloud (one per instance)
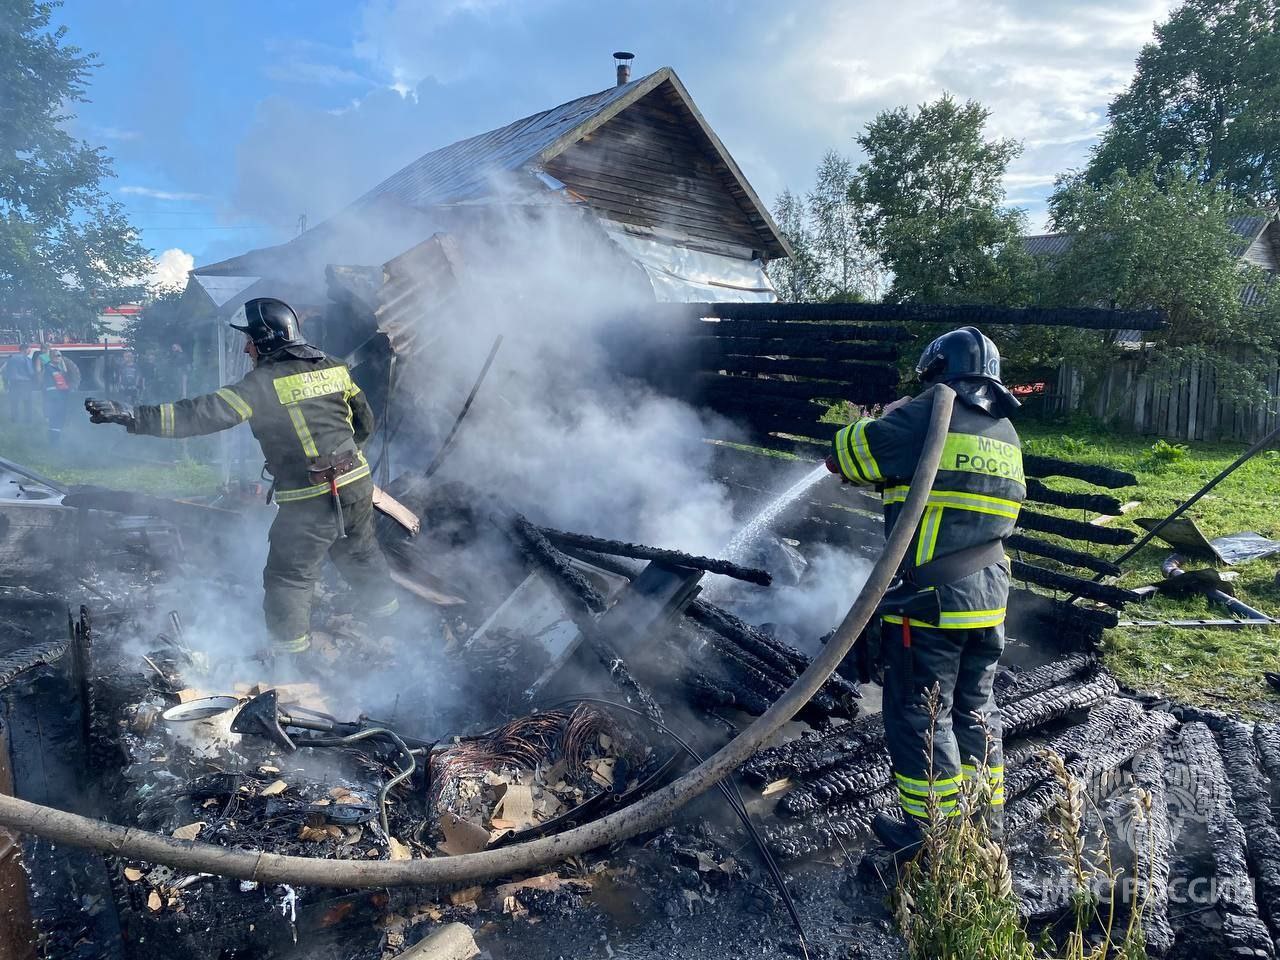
(171, 270)
(167, 195)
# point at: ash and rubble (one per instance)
(499, 675)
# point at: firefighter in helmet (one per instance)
(310, 418)
(942, 624)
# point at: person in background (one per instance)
(60, 377)
(128, 379)
(19, 383)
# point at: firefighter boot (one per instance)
(993, 823)
(902, 838)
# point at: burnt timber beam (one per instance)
(1154, 844)
(1012, 686)
(838, 370)
(1144, 728)
(14, 665)
(723, 386)
(1063, 613)
(1250, 790)
(711, 348)
(1243, 931)
(1051, 551)
(675, 558)
(1038, 466)
(1116, 597)
(1074, 529)
(1087, 318)
(1097, 502)
(687, 321)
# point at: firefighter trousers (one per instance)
(965, 732)
(303, 534)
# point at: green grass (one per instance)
(1208, 667)
(110, 466)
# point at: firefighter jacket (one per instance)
(300, 404)
(975, 499)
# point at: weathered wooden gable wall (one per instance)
(651, 167)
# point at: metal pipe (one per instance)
(646, 814)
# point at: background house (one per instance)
(1188, 406)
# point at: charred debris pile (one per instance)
(533, 683)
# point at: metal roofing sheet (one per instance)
(464, 170)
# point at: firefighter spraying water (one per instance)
(943, 624)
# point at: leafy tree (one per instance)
(830, 262)
(1160, 238)
(1206, 97)
(66, 249)
(932, 191)
(796, 278)
(849, 270)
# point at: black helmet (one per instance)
(270, 324)
(966, 352)
(968, 360)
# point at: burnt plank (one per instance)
(1097, 502)
(1074, 529)
(1077, 558)
(839, 371)
(795, 347)
(1037, 466)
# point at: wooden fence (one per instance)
(1185, 406)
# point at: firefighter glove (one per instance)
(834, 466)
(108, 411)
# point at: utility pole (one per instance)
(302, 224)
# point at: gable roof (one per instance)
(467, 170)
(464, 170)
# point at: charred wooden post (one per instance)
(1153, 845)
(786, 660)
(1037, 466)
(1012, 686)
(715, 693)
(582, 601)
(1266, 737)
(811, 755)
(1126, 739)
(545, 557)
(1116, 597)
(1097, 502)
(829, 828)
(1249, 789)
(675, 558)
(1055, 703)
(1075, 529)
(14, 665)
(1243, 931)
(1022, 543)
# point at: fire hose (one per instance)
(645, 814)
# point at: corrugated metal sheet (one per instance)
(1047, 244)
(464, 170)
(416, 287)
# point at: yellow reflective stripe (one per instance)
(972, 618)
(956, 619)
(297, 645)
(927, 541)
(236, 403)
(306, 493)
(971, 453)
(994, 774)
(862, 450)
(923, 787)
(166, 419)
(314, 383)
(844, 455)
(974, 502)
(302, 430)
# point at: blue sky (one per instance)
(229, 120)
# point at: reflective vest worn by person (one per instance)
(310, 418)
(956, 553)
